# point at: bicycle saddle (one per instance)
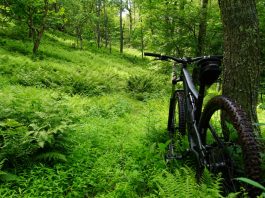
(209, 70)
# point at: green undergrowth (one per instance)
(87, 123)
(116, 152)
(34, 126)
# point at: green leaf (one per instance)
(33, 126)
(162, 147)
(41, 144)
(2, 163)
(251, 182)
(10, 123)
(52, 156)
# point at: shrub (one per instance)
(33, 122)
(144, 85)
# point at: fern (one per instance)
(183, 184)
(211, 184)
(51, 157)
(5, 176)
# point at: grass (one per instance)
(112, 111)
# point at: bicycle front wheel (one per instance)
(176, 118)
(230, 143)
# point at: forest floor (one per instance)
(115, 107)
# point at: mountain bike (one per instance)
(220, 135)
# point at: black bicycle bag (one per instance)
(209, 70)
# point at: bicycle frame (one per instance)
(193, 107)
(193, 98)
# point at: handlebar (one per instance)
(183, 60)
(152, 54)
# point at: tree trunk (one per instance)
(167, 28)
(110, 42)
(36, 40)
(105, 25)
(77, 42)
(241, 53)
(37, 34)
(77, 37)
(142, 38)
(121, 27)
(98, 22)
(202, 28)
(81, 41)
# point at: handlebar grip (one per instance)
(152, 54)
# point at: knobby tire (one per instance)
(177, 106)
(247, 141)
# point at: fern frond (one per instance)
(211, 184)
(51, 157)
(208, 178)
(5, 176)
(182, 183)
(2, 162)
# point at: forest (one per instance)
(83, 113)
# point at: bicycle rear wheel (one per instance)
(230, 143)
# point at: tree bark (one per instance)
(121, 27)
(202, 28)
(241, 54)
(142, 39)
(36, 42)
(110, 43)
(105, 24)
(98, 23)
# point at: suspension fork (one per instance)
(174, 79)
(172, 103)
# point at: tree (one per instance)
(77, 14)
(38, 15)
(99, 5)
(241, 53)
(202, 28)
(121, 27)
(129, 7)
(38, 24)
(170, 26)
(106, 30)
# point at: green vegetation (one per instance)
(79, 121)
(83, 123)
(86, 123)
